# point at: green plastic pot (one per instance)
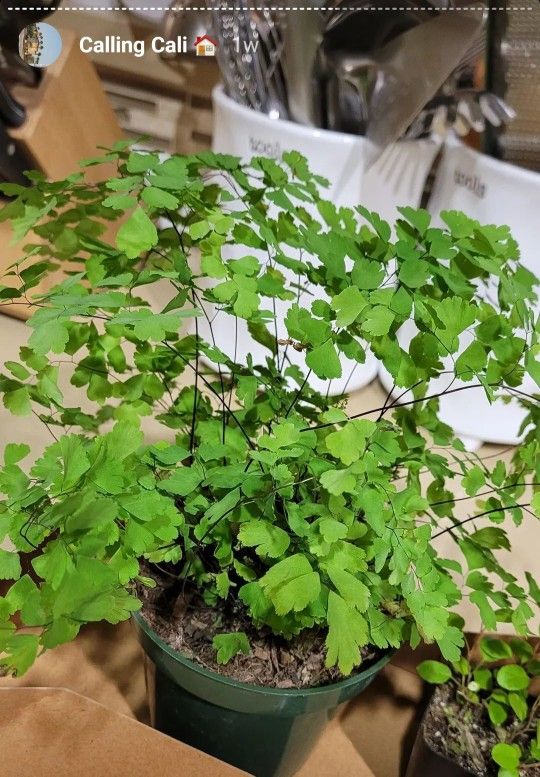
(267, 732)
(426, 762)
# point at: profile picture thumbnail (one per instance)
(40, 44)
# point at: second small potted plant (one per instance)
(275, 544)
(484, 717)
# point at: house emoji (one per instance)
(205, 46)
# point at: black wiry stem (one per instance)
(478, 515)
(220, 372)
(419, 400)
(196, 384)
(297, 395)
(494, 490)
(214, 392)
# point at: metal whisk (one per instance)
(249, 55)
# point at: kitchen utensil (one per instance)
(474, 53)
(413, 67)
(239, 64)
(496, 110)
(231, 70)
(355, 30)
(249, 54)
(350, 84)
(345, 106)
(471, 110)
(14, 71)
(513, 67)
(363, 26)
(302, 37)
(12, 112)
(15, 16)
(270, 52)
(349, 88)
(463, 111)
(13, 162)
(182, 19)
(245, 34)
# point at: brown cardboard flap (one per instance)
(335, 755)
(52, 732)
(382, 722)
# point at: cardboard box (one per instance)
(369, 737)
(53, 732)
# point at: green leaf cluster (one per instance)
(262, 490)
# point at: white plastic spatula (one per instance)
(412, 68)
